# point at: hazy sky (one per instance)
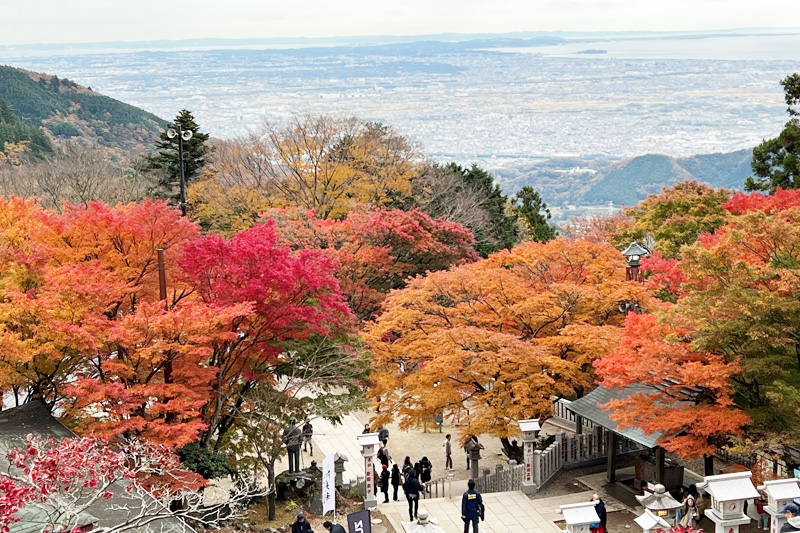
(35, 21)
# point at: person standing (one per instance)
(411, 487)
(366, 430)
(383, 435)
(301, 525)
(471, 503)
(395, 480)
(333, 528)
(763, 517)
(385, 483)
(308, 432)
(383, 455)
(600, 507)
(407, 467)
(690, 513)
(448, 452)
(426, 472)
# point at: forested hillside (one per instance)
(66, 109)
(12, 130)
(595, 181)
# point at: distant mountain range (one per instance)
(595, 181)
(65, 110)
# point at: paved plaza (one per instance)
(505, 511)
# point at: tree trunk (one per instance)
(273, 491)
(512, 452)
(708, 465)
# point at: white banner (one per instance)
(328, 485)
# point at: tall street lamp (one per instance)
(182, 136)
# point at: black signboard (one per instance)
(359, 522)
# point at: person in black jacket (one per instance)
(395, 480)
(333, 528)
(600, 507)
(407, 467)
(301, 525)
(412, 487)
(471, 503)
(385, 483)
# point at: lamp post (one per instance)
(633, 254)
(182, 135)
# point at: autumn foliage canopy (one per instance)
(82, 323)
(491, 342)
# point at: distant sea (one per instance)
(503, 105)
(773, 47)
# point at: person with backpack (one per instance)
(395, 480)
(412, 487)
(383, 455)
(471, 507)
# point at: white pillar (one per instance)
(369, 449)
(530, 432)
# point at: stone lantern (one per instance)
(779, 492)
(369, 449)
(530, 432)
(728, 493)
(578, 516)
(650, 522)
(633, 254)
(660, 502)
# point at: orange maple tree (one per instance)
(690, 398)
(493, 341)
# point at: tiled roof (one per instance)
(589, 407)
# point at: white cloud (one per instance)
(30, 21)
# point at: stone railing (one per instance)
(561, 413)
(503, 479)
(436, 488)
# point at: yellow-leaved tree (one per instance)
(493, 342)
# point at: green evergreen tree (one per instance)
(776, 162)
(194, 153)
(503, 231)
(534, 214)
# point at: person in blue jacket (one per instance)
(471, 504)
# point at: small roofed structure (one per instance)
(660, 502)
(728, 494)
(578, 516)
(530, 426)
(650, 522)
(779, 492)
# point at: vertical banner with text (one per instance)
(328, 485)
